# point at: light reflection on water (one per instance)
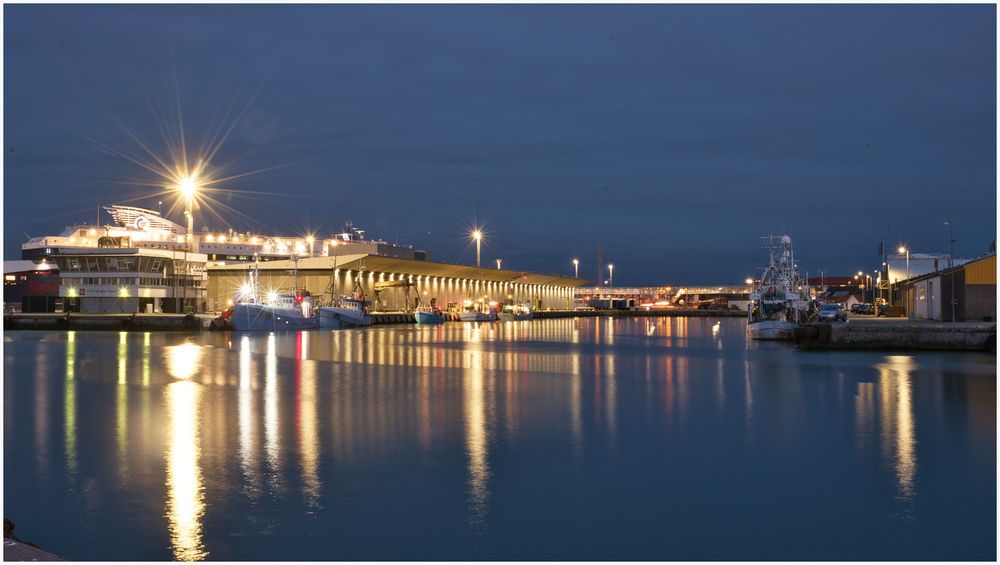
(338, 443)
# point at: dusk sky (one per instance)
(675, 136)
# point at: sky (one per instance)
(674, 136)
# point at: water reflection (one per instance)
(306, 431)
(898, 442)
(185, 495)
(69, 407)
(272, 447)
(279, 433)
(121, 406)
(476, 440)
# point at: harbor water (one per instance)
(578, 439)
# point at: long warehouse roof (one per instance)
(382, 264)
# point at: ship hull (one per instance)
(260, 318)
(331, 318)
(772, 330)
(428, 318)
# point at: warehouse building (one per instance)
(392, 284)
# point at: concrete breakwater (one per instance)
(898, 334)
(107, 322)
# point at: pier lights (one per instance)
(903, 249)
(477, 235)
(498, 263)
(611, 274)
(576, 268)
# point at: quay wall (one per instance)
(107, 322)
(898, 335)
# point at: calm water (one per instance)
(556, 439)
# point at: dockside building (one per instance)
(392, 284)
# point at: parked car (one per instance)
(863, 309)
(832, 313)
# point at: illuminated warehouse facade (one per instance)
(393, 284)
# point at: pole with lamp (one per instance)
(498, 263)
(477, 235)
(903, 249)
(576, 268)
(188, 186)
(611, 275)
(951, 263)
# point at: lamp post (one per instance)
(903, 249)
(188, 186)
(576, 268)
(611, 275)
(498, 263)
(478, 236)
(311, 241)
(951, 262)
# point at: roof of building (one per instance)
(383, 264)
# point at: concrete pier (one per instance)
(898, 334)
(108, 322)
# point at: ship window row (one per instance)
(128, 281)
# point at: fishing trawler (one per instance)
(345, 312)
(515, 312)
(477, 312)
(276, 311)
(778, 303)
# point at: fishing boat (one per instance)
(345, 312)
(515, 312)
(428, 315)
(777, 302)
(277, 311)
(476, 312)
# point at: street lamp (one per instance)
(611, 275)
(188, 186)
(907, 251)
(310, 239)
(951, 262)
(576, 268)
(478, 236)
(498, 263)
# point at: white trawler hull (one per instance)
(772, 330)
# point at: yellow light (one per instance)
(254, 240)
(210, 238)
(272, 296)
(71, 293)
(188, 186)
(310, 239)
(91, 231)
(749, 281)
(477, 235)
(902, 249)
(123, 292)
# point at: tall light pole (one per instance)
(576, 268)
(188, 187)
(498, 263)
(907, 251)
(311, 240)
(951, 262)
(611, 276)
(477, 235)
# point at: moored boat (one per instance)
(515, 312)
(249, 317)
(428, 315)
(778, 303)
(343, 313)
